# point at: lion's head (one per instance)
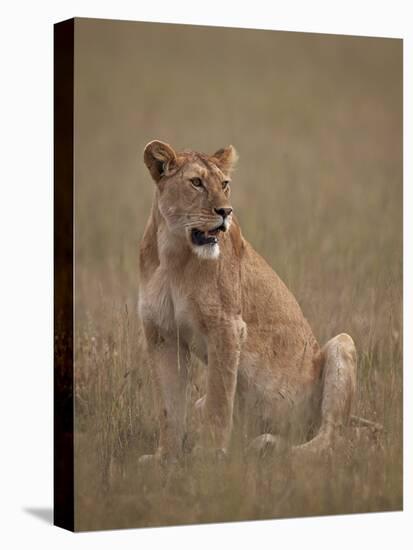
(193, 193)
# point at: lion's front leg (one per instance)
(169, 359)
(224, 346)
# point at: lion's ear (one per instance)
(225, 159)
(158, 157)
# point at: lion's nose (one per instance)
(224, 212)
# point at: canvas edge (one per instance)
(63, 379)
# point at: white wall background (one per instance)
(26, 270)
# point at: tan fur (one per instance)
(228, 306)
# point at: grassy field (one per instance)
(317, 121)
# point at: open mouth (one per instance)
(201, 238)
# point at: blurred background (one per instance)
(317, 122)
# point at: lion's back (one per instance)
(275, 322)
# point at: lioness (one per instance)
(205, 290)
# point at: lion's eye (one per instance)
(196, 182)
(225, 184)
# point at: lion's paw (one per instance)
(151, 459)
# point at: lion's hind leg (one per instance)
(338, 391)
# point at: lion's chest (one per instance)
(187, 323)
(165, 304)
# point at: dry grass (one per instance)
(318, 125)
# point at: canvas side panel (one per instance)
(63, 275)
